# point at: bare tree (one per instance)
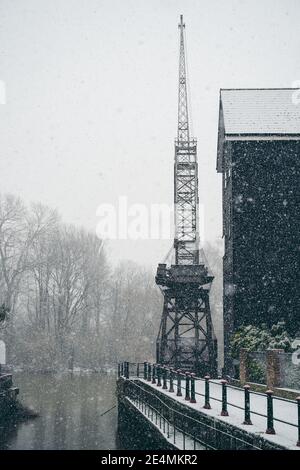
(63, 297)
(135, 312)
(14, 245)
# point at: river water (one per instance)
(70, 409)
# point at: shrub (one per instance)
(259, 339)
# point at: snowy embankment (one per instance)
(110, 370)
(284, 410)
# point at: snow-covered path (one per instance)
(285, 410)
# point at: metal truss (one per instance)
(186, 338)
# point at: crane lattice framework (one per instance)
(186, 339)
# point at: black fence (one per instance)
(184, 384)
(180, 429)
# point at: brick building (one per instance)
(258, 156)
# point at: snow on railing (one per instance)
(219, 391)
(180, 429)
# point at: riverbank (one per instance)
(60, 370)
(8, 396)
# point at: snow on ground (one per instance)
(285, 410)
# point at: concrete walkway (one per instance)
(285, 410)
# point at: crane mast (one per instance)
(186, 339)
(186, 200)
(183, 119)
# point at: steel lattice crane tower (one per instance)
(186, 339)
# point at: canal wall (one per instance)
(135, 431)
(151, 417)
(8, 396)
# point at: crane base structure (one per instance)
(186, 338)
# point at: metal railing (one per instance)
(171, 379)
(184, 431)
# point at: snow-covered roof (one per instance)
(261, 111)
(258, 113)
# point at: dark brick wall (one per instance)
(261, 225)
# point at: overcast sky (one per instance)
(91, 97)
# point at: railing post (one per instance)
(119, 369)
(127, 370)
(137, 369)
(193, 394)
(158, 375)
(187, 387)
(171, 389)
(298, 406)
(145, 370)
(149, 373)
(122, 369)
(224, 411)
(247, 418)
(206, 401)
(157, 351)
(179, 394)
(153, 373)
(270, 419)
(165, 387)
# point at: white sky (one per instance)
(91, 88)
